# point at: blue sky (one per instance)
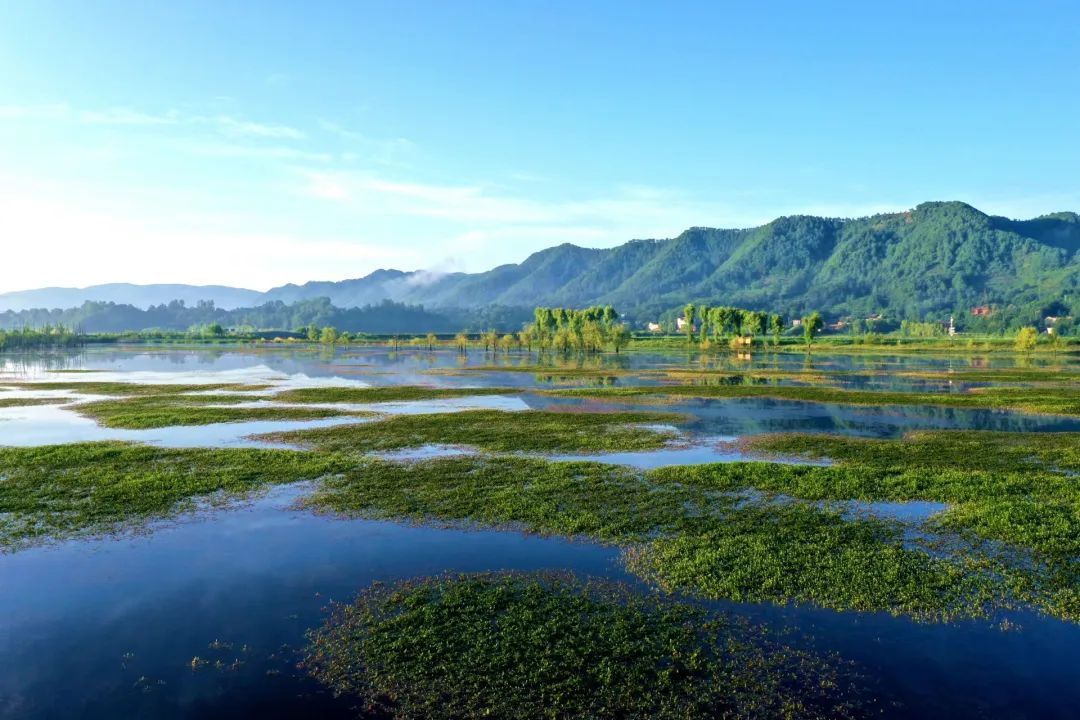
(257, 143)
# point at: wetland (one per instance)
(370, 532)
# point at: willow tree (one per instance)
(811, 324)
(776, 327)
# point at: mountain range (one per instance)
(936, 259)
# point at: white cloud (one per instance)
(234, 126)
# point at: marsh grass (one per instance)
(1020, 489)
(683, 532)
(1001, 375)
(553, 369)
(128, 389)
(573, 499)
(495, 430)
(61, 491)
(1038, 400)
(155, 411)
(388, 393)
(548, 645)
(31, 401)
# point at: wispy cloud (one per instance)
(491, 225)
(125, 116)
(397, 152)
(233, 126)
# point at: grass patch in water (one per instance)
(388, 393)
(1009, 375)
(134, 389)
(546, 645)
(541, 369)
(529, 430)
(938, 449)
(794, 552)
(1019, 489)
(156, 411)
(62, 491)
(684, 535)
(1053, 401)
(607, 502)
(30, 401)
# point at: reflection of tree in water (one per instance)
(30, 362)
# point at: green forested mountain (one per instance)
(939, 259)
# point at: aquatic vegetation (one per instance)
(547, 645)
(940, 449)
(11, 402)
(1001, 375)
(386, 393)
(804, 554)
(1043, 400)
(608, 502)
(131, 389)
(154, 411)
(682, 531)
(1019, 489)
(558, 369)
(531, 430)
(60, 491)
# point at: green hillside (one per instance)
(939, 259)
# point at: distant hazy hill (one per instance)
(142, 296)
(940, 258)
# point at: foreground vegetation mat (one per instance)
(1005, 537)
(62, 491)
(532, 646)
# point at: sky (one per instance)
(258, 143)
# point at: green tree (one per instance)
(1026, 338)
(526, 337)
(688, 317)
(312, 332)
(620, 336)
(462, 342)
(776, 327)
(431, 340)
(811, 324)
(753, 323)
(328, 336)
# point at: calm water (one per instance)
(109, 628)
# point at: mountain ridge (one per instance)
(936, 258)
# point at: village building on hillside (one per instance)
(655, 327)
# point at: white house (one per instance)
(680, 325)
